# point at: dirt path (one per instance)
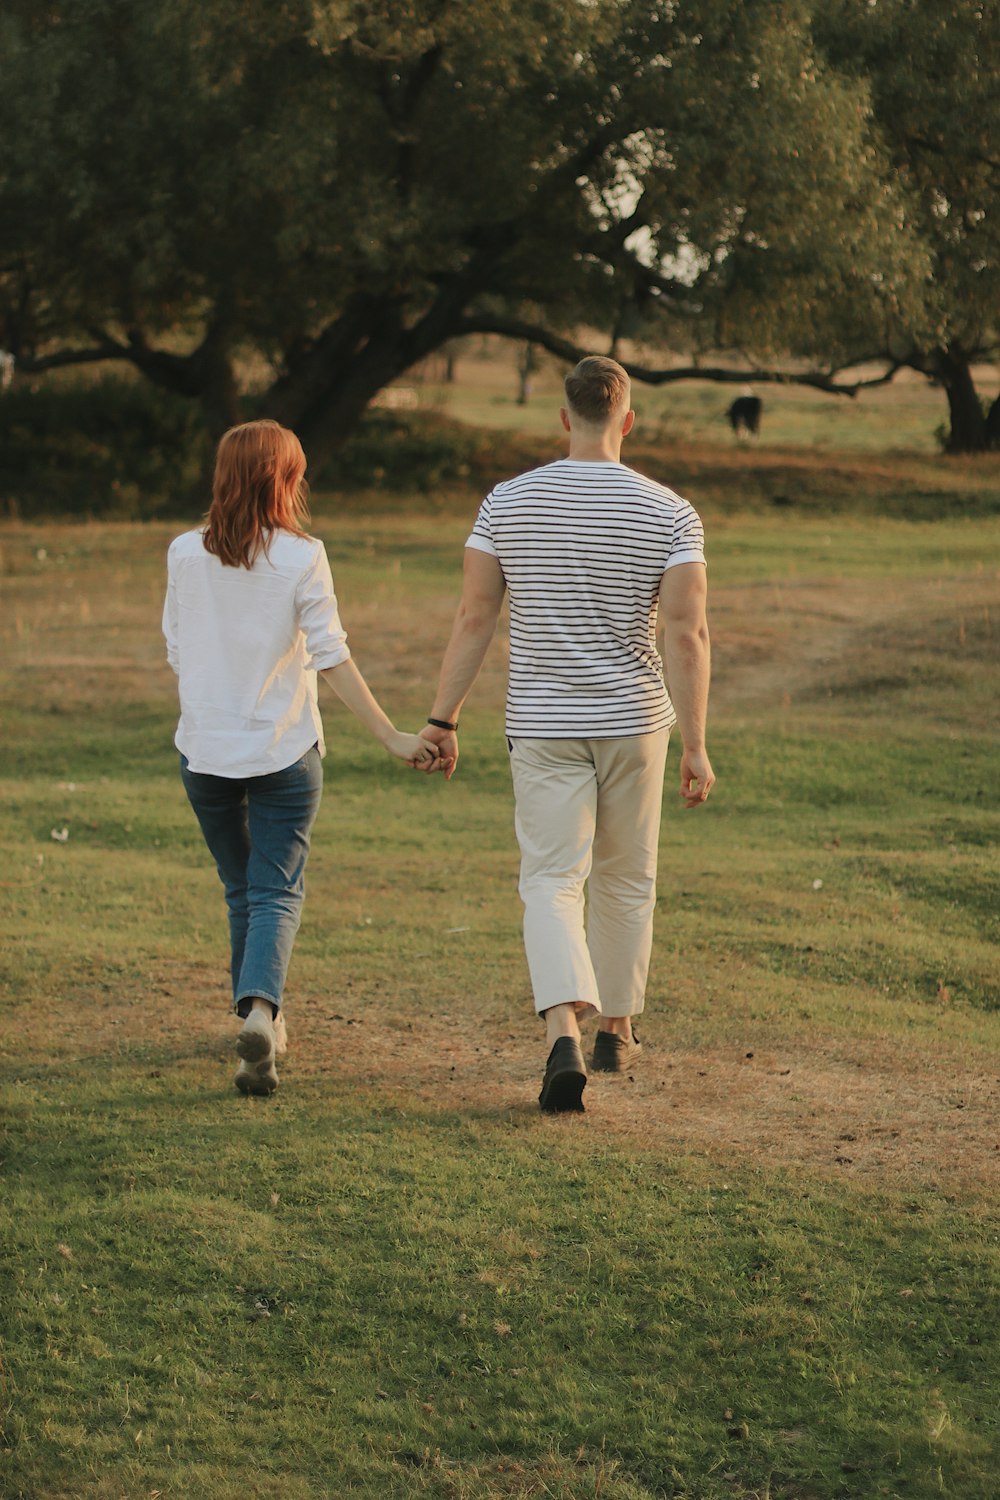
(927, 1114)
(929, 1117)
(777, 642)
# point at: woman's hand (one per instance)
(416, 752)
(445, 741)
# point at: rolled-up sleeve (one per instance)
(170, 617)
(319, 617)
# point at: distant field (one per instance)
(817, 456)
(899, 418)
(92, 444)
(764, 1266)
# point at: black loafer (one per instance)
(614, 1054)
(565, 1078)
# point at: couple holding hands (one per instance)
(600, 564)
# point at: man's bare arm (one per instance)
(683, 631)
(483, 588)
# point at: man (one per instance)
(590, 552)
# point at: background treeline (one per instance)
(326, 192)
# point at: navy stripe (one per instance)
(583, 547)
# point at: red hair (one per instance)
(258, 488)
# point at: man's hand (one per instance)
(414, 750)
(687, 659)
(697, 777)
(445, 743)
(483, 589)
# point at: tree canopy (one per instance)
(933, 76)
(341, 187)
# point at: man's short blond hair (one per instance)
(597, 390)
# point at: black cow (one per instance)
(744, 416)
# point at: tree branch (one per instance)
(400, 105)
(498, 235)
(37, 364)
(194, 374)
(938, 148)
(572, 353)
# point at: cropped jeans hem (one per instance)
(258, 831)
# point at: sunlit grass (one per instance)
(903, 417)
(767, 1267)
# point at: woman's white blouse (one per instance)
(246, 644)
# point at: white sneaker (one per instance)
(255, 1044)
(280, 1035)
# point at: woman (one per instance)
(250, 619)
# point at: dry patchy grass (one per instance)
(795, 645)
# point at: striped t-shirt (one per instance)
(583, 546)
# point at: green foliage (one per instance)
(404, 453)
(425, 453)
(110, 447)
(123, 448)
(345, 186)
(920, 61)
(931, 76)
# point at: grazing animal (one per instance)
(744, 416)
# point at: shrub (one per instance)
(111, 446)
(117, 446)
(406, 452)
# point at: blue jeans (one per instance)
(258, 833)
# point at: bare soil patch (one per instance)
(925, 1114)
(929, 1117)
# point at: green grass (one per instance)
(901, 418)
(420, 1303)
(113, 446)
(768, 1268)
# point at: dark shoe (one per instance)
(565, 1078)
(614, 1054)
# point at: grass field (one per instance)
(901, 419)
(764, 1266)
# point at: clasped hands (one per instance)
(429, 751)
(443, 747)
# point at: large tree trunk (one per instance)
(205, 374)
(327, 417)
(324, 407)
(968, 432)
(219, 397)
(993, 425)
(328, 385)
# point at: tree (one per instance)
(345, 185)
(934, 77)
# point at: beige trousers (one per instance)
(587, 813)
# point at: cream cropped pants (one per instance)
(587, 814)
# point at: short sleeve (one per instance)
(319, 617)
(687, 541)
(481, 536)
